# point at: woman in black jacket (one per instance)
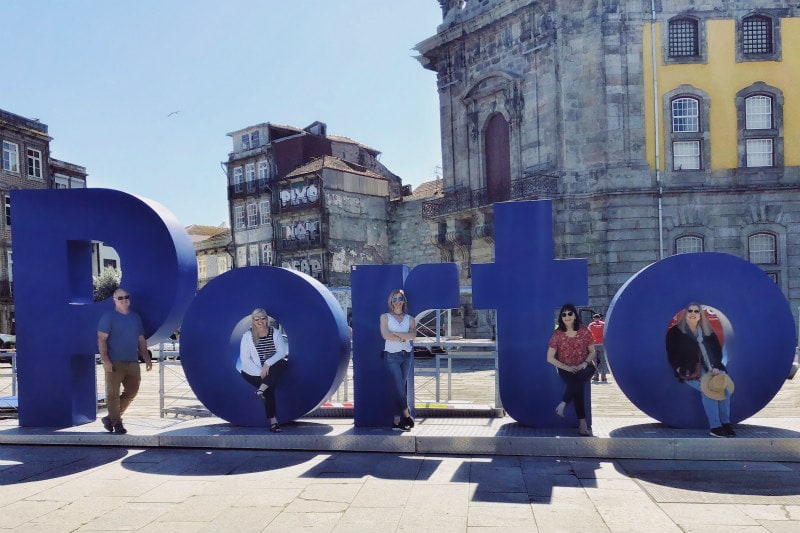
(694, 350)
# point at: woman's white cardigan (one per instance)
(249, 362)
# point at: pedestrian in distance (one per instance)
(695, 355)
(121, 343)
(597, 328)
(263, 359)
(571, 351)
(398, 329)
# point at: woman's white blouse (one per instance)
(395, 326)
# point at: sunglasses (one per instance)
(567, 313)
(398, 299)
(126, 297)
(259, 318)
(693, 311)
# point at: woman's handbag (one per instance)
(694, 375)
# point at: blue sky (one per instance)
(105, 77)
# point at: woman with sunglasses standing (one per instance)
(399, 329)
(694, 350)
(571, 351)
(263, 358)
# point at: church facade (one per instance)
(655, 127)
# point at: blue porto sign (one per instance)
(57, 319)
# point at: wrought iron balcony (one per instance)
(245, 189)
(291, 245)
(527, 188)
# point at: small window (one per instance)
(264, 210)
(685, 115)
(263, 173)
(237, 179)
(686, 155)
(266, 254)
(253, 254)
(252, 215)
(759, 153)
(688, 244)
(8, 211)
(250, 176)
(758, 112)
(10, 156)
(202, 272)
(241, 256)
(683, 40)
(222, 264)
(239, 216)
(762, 249)
(246, 141)
(757, 35)
(34, 164)
(254, 139)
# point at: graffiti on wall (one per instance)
(301, 230)
(311, 265)
(300, 194)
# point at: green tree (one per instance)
(106, 283)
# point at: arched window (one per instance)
(498, 158)
(688, 244)
(760, 115)
(762, 249)
(687, 128)
(685, 119)
(685, 115)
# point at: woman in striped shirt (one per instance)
(263, 358)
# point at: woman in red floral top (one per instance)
(571, 351)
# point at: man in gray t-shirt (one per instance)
(121, 341)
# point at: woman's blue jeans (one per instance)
(718, 412)
(399, 365)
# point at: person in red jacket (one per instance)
(596, 327)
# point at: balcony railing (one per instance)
(246, 189)
(291, 245)
(529, 187)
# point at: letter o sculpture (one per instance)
(759, 342)
(319, 342)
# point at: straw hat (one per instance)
(714, 386)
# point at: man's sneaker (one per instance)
(119, 428)
(107, 424)
(728, 429)
(408, 421)
(401, 426)
(718, 432)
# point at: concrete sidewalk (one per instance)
(620, 430)
(84, 488)
(189, 474)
